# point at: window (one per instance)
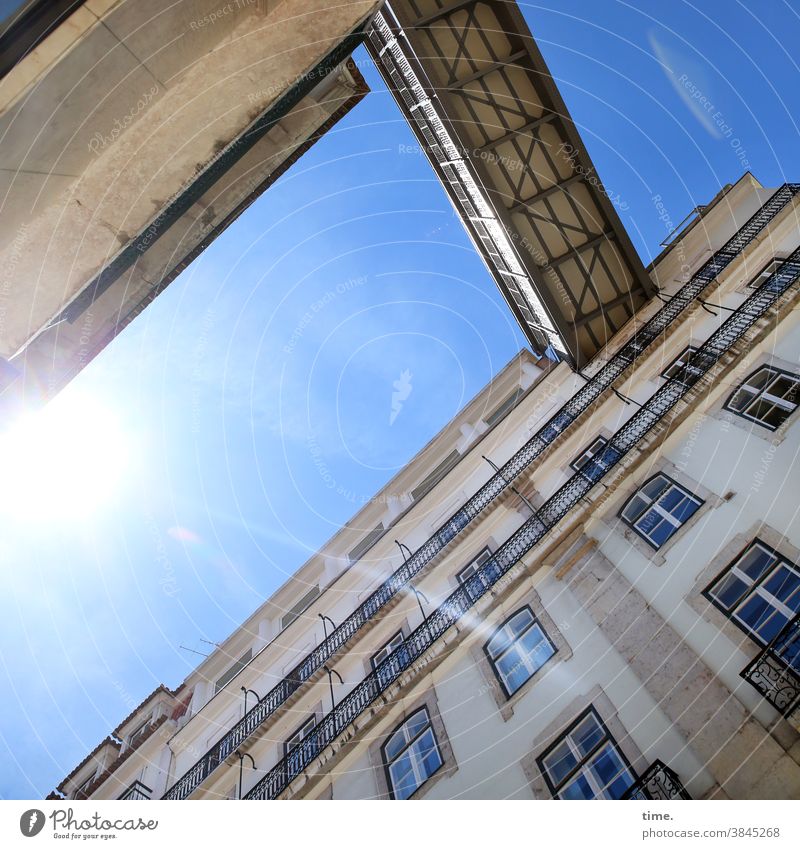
(766, 272)
(296, 610)
(768, 397)
(137, 735)
(595, 448)
(378, 658)
(683, 366)
(435, 476)
(585, 763)
(366, 544)
(80, 790)
(759, 591)
(474, 588)
(504, 408)
(234, 670)
(658, 509)
(518, 649)
(411, 755)
(301, 747)
(301, 734)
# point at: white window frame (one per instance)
(754, 586)
(138, 731)
(410, 745)
(757, 395)
(396, 641)
(654, 504)
(296, 740)
(472, 568)
(514, 630)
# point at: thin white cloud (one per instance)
(681, 69)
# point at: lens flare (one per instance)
(61, 462)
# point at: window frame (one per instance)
(574, 464)
(312, 720)
(564, 737)
(752, 589)
(387, 764)
(653, 505)
(461, 580)
(681, 363)
(777, 372)
(82, 787)
(773, 264)
(132, 741)
(372, 661)
(232, 671)
(534, 623)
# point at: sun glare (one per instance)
(61, 462)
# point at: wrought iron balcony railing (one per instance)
(530, 533)
(581, 401)
(658, 782)
(136, 792)
(775, 672)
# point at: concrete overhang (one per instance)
(133, 132)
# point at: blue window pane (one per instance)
(655, 487)
(395, 744)
(685, 509)
(754, 612)
(607, 765)
(730, 590)
(579, 788)
(429, 756)
(587, 735)
(520, 621)
(499, 643)
(537, 648)
(559, 763)
(784, 584)
(635, 508)
(404, 782)
(649, 521)
(656, 528)
(770, 627)
(416, 723)
(755, 562)
(619, 785)
(672, 500)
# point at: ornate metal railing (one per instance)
(136, 792)
(775, 672)
(581, 401)
(657, 782)
(531, 532)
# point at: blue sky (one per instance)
(255, 394)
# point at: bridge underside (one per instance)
(511, 135)
(132, 135)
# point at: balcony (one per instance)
(775, 672)
(136, 793)
(658, 782)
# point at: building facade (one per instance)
(586, 586)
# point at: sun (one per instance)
(63, 461)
